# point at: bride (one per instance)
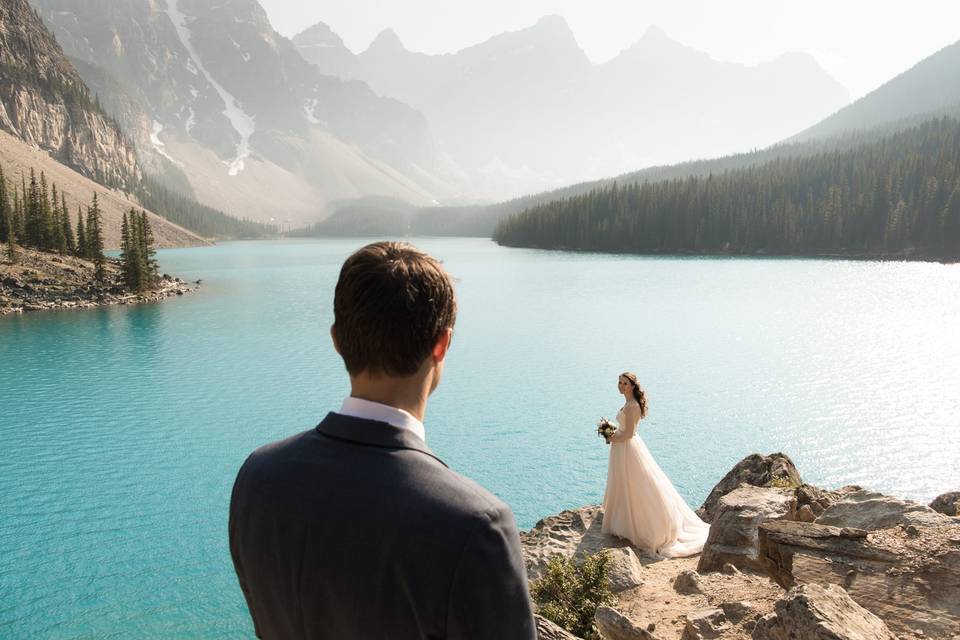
(640, 503)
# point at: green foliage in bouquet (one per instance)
(570, 591)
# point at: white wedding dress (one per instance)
(641, 504)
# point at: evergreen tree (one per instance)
(130, 260)
(6, 213)
(59, 238)
(81, 235)
(47, 229)
(33, 223)
(95, 240)
(147, 252)
(66, 228)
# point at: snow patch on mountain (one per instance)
(242, 122)
(158, 145)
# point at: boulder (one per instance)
(911, 581)
(613, 625)
(547, 630)
(871, 511)
(736, 611)
(625, 571)
(688, 583)
(774, 470)
(815, 612)
(570, 533)
(705, 624)
(813, 501)
(733, 534)
(947, 504)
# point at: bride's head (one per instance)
(629, 386)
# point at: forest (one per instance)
(898, 196)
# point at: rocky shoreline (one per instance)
(39, 281)
(783, 560)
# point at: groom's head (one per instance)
(394, 309)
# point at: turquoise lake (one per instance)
(121, 429)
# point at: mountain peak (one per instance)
(319, 34)
(387, 41)
(553, 22)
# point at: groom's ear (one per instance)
(333, 336)
(442, 344)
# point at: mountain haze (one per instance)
(527, 110)
(211, 92)
(930, 86)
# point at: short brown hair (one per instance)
(390, 306)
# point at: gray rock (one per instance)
(625, 571)
(613, 625)
(733, 534)
(776, 469)
(872, 511)
(705, 624)
(814, 612)
(947, 504)
(688, 583)
(911, 582)
(547, 630)
(736, 611)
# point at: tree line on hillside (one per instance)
(206, 221)
(36, 216)
(897, 196)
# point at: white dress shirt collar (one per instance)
(383, 413)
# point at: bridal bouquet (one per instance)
(605, 429)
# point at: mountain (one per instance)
(214, 96)
(44, 102)
(51, 123)
(928, 87)
(525, 111)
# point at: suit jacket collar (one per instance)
(372, 433)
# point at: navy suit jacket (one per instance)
(355, 529)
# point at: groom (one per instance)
(355, 529)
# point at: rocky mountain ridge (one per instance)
(211, 93)
(44, 103)
(527, 110)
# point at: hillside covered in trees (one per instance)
(898, 196)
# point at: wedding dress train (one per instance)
(642, 505)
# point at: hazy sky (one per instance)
(861, 43)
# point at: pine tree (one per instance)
(58, 236)
(33, 225)
(48, 241)
(95, 241)
(148, 253)
(66, 228)
(81, 235)
(6, 214)
(130, 260)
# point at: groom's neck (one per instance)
(409, 394)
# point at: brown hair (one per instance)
(638, 393)
(391, 304)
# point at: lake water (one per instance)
(121, 429)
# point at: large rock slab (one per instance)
(547, 630)
(815, 612)
(774, 470)
(625, 571)
(613, 625)
(871, 511)
(908, 576)
(947, 504)
(733, 534)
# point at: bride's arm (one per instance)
(631, 418)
